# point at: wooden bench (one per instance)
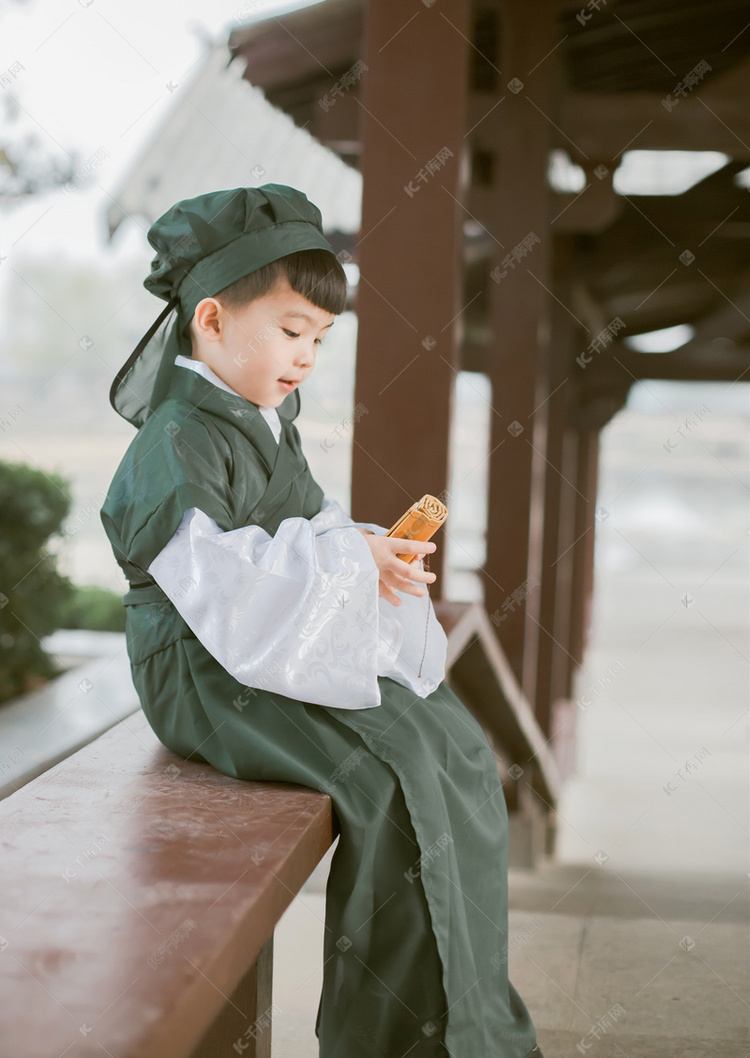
(140, 893)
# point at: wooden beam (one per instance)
(714, 116)
(593, 209)
(729, 320)
(337, 123)
(604, 126)
(481, 675)
(723, 362)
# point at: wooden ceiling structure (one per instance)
(471, 260)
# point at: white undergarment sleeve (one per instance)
(410, 637)
(298, 613)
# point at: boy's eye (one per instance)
(318, 341)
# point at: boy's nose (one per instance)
(306, 356)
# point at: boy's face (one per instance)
(255, 348)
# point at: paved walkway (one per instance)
(661, 778)
(611, 964)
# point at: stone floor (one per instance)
(664, 955)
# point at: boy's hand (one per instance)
(395, 574)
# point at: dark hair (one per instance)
(315, 274)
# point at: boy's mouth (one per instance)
(289, 383)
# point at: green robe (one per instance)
(416, 939)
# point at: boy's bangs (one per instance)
(318, 276)
(315, 274)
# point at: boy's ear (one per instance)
(207, 319)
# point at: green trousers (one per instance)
(416, 928)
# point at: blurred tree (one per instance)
(26, 168)
(94, 608)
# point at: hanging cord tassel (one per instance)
(426, 567)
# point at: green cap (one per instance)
(202, 245)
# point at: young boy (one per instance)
(260, 640)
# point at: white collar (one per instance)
(269, 414)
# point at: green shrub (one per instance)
(33, 505)
(94, 608)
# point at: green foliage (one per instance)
(33, 505)
(94, 608)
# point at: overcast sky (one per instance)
(93, 80)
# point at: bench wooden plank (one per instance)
(138, 891)
(245, 1021)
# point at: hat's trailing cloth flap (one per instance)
(133, 389)
(202, 245)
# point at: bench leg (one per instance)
(251, 1029)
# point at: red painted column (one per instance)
(583, 552)
(519, 293)
(413, 101)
